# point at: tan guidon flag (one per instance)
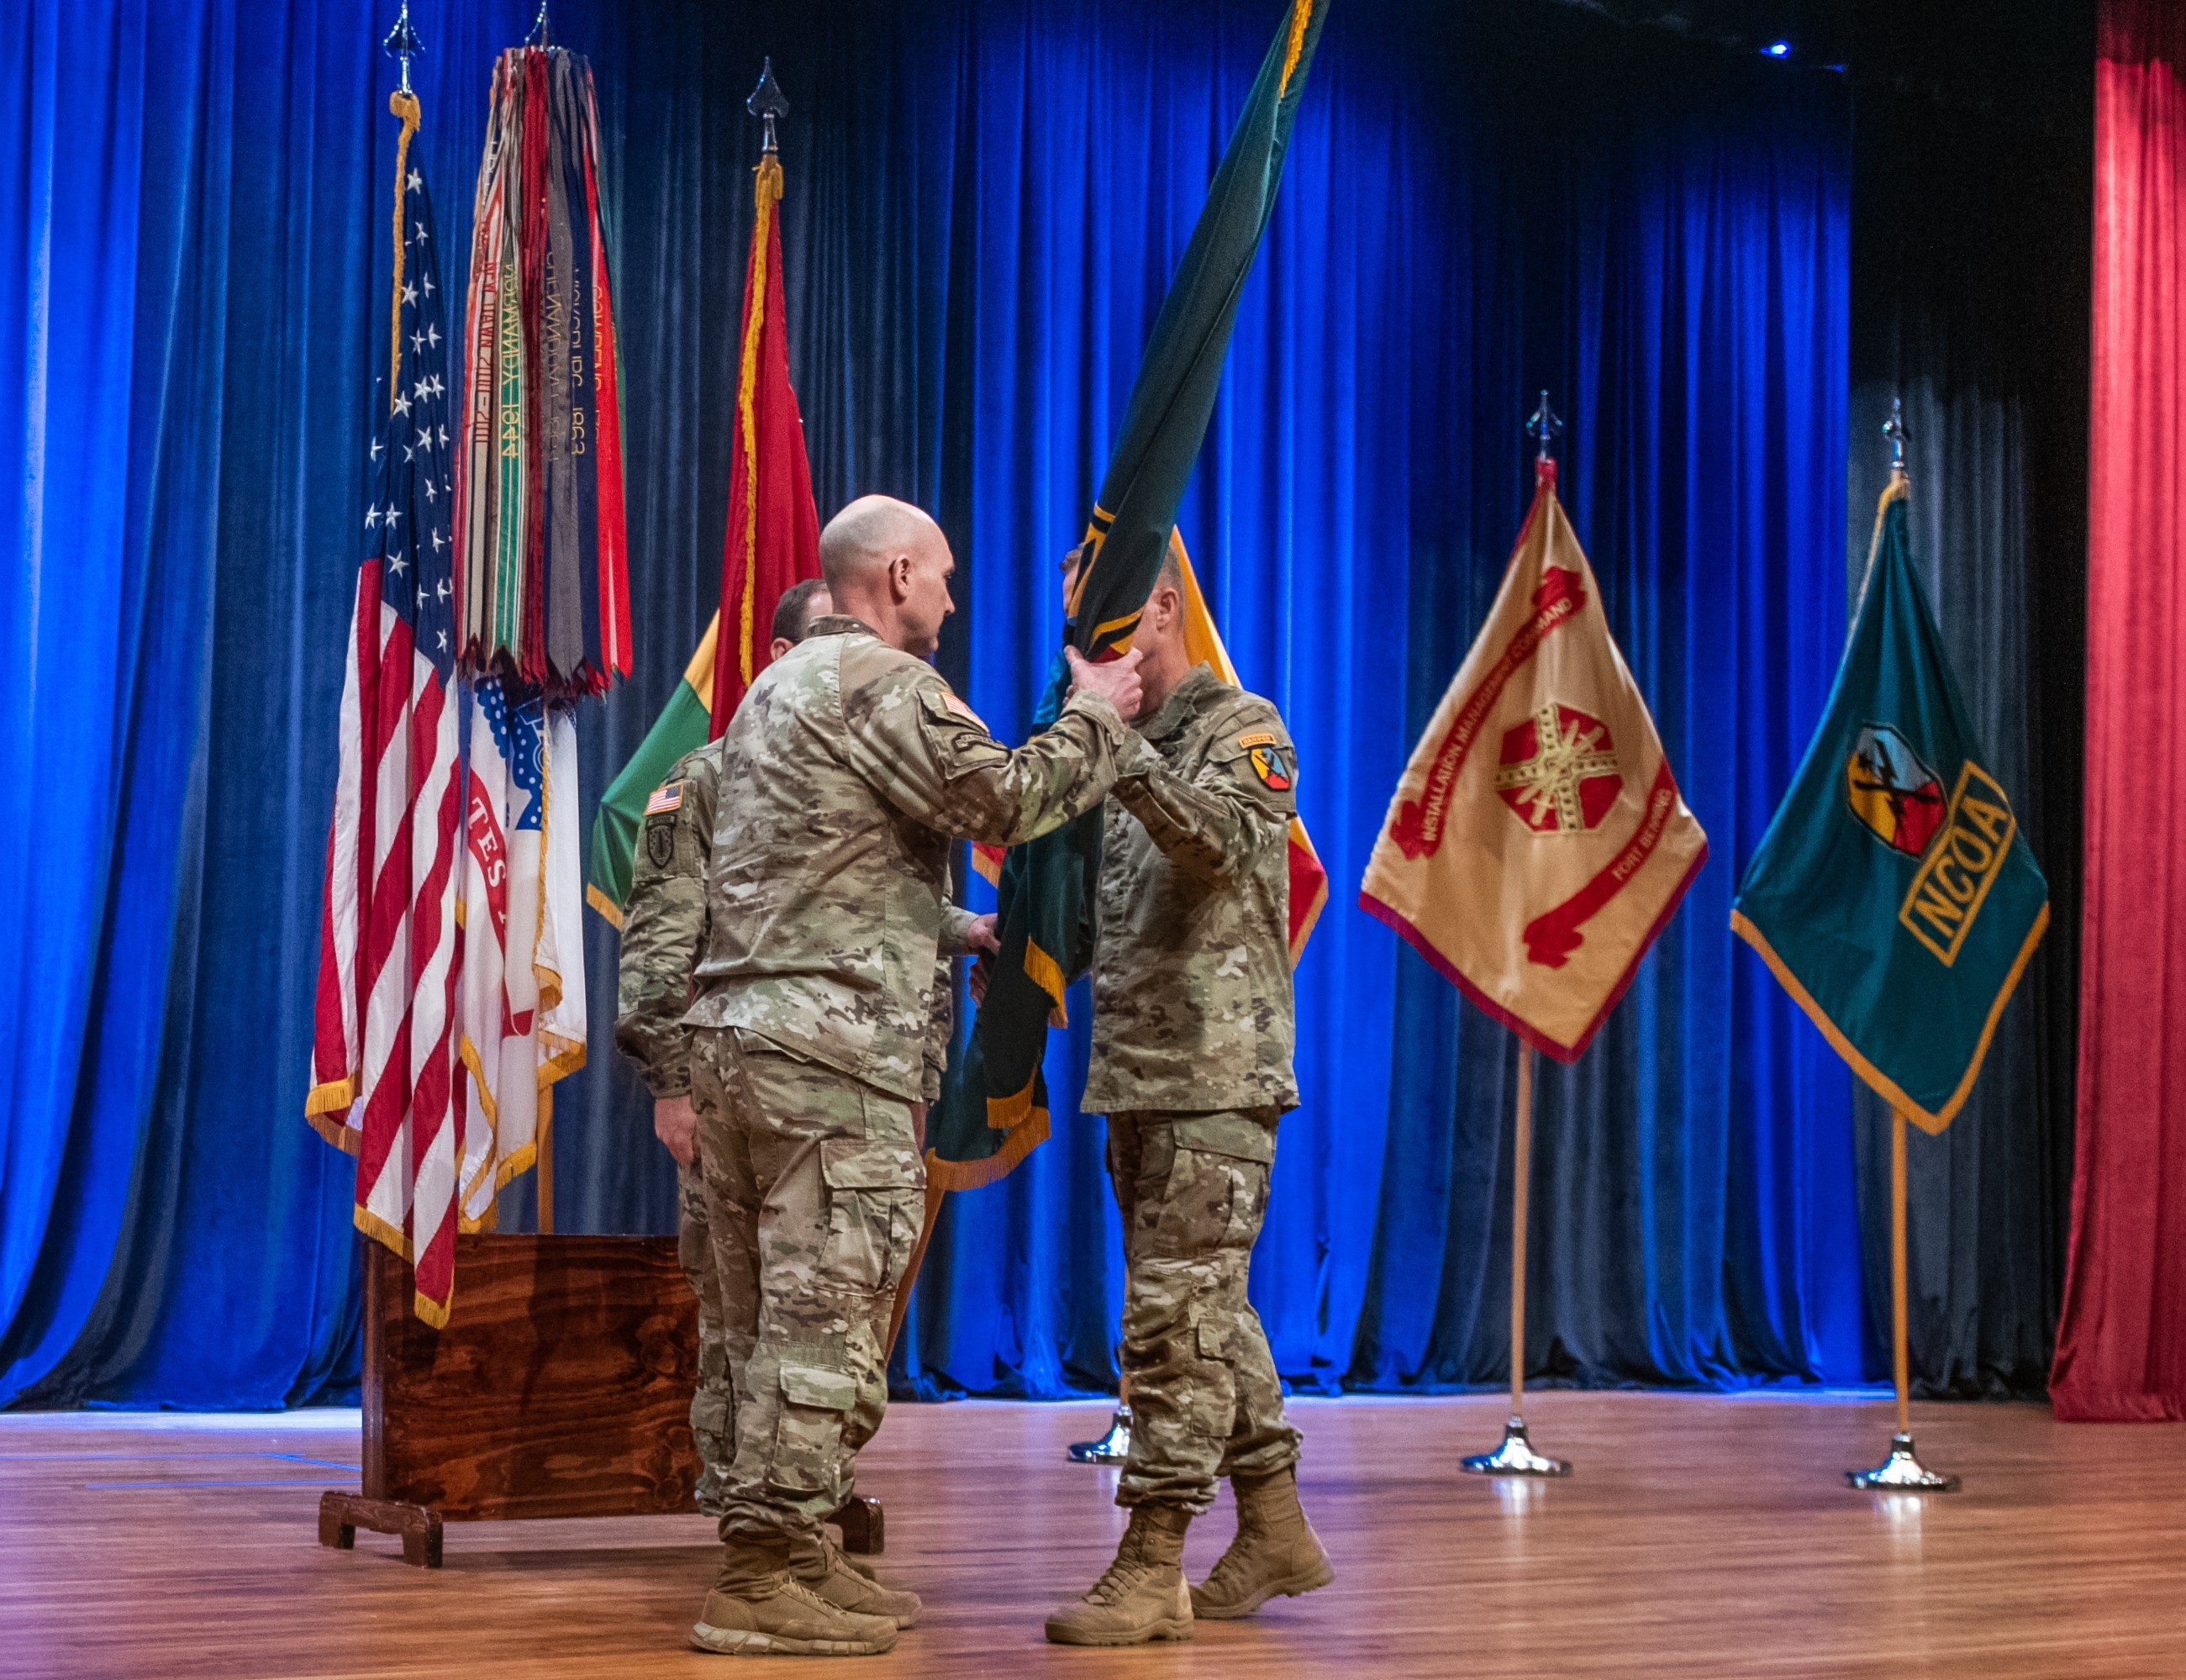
(1538, 841)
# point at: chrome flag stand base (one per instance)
(1112, 1449)
(1514, 1456)
(1903, 1473)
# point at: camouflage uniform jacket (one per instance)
(664, 935)
(844, 774)
(1191, 963)
(663, 927)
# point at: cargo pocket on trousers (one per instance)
(807, 1435)
(1237, 1149)
(1210, 1405)
(872, 1219)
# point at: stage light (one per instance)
(1778, 49)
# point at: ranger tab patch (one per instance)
(669, 797)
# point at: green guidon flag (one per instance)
(681, 728)
(994, 1109)
(1893, 894)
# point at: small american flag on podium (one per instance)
(383, 1052)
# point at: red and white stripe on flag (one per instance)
(1538, 842)
(384, 1049)
(520, 1014)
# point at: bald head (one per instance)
(887, 564)
(862, 540)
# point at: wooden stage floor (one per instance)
(1700, 1536)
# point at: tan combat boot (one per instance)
(820, 1563)
(1142, 1596)
(1275, 1552)
(756, 1609)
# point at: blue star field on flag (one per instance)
(413, 458)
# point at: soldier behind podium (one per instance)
(845, 775)
(1192, 1034)
(663, 934)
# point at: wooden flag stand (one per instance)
(1901, 1472)
(1517, 1456)
(560, 1388)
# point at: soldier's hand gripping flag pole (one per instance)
(1537, 842)
(1893, 895)
(1204, 646)
(994, 1107)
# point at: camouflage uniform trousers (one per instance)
(1205, 1399)
(819, 1189)
(713, 1405)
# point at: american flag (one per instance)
(383, 1057)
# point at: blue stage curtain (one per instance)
(92, 624)
(984, 200)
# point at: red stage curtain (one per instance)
(2122, 1343)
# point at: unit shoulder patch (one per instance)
(1270, 767)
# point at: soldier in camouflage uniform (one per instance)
(845, 775)
(1192, 1033)
(664, 933)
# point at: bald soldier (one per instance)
(664, 935)
(845, 775)
(1192, 1031)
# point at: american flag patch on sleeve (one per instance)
(667, 797)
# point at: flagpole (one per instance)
(1900, 1359)
(1517, 1456)
(1902, 1472)
(1522, 1173)
(545, 1158)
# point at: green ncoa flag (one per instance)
(993, 1111)
(1893, 894)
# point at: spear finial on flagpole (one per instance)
(541, 34)
(1894, 429)
(767, 102)
(402, 43)
(1544, 425)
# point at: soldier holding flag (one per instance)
(1192, 1033)
(845, 772)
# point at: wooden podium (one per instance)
(560, 1388)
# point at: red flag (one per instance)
(1538, 842)
(774, 528)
